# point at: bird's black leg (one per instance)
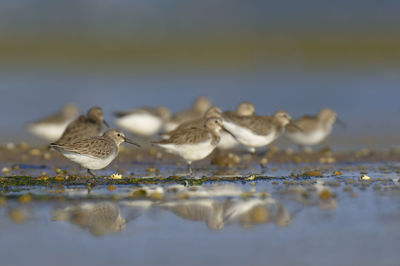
(189, 168)
(91, 173)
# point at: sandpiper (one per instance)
(94, 153)
(194, 144)
(198, 109)
(52, 127)
(143, 121)
(257, 131)
(84, 127)
(227, 141)
(314, 129)
(197, 123)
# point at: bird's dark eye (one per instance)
(119, 135)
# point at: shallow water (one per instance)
(256, 220)
(366, 99)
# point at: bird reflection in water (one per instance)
(99, 218)
(218, 214)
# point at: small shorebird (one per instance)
(243, 109)
(143, 121)
(314, 129)
(84, 127)
(227, 141)
(198, 109)
(197, 123)
(194, 144)
(52, 127)
(257, 131)
(94, 153)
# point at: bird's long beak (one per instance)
(341, 123)
(106, 124)
(227, 131)
(131, 142)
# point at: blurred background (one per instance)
(294, 55)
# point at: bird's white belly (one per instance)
(88, 161)
(227, 142)
(247, 137)
(312, 138)
(169, 126)
(140, 124)
(191, 152)
(51, 132)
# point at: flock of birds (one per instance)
(191, 134)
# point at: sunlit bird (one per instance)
(198, 109)
(227, 141)
(143, 121)
(52, 127)
(197, 123)
(84, 126)
(194, 144)
(94, 153)
(311, 130)
(257, 131)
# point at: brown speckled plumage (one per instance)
(310, 123)
(260, 125)
(197, 111)
(100, 147)
(197, 123)
(243, 109)
(190, 136)
(193, 135)
(83, 127)
(307, 124)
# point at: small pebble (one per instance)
(364, 177)
(10, 146)
(6, 170)
(116, 176)
(34, 152)
(25, 198)
(18, 216)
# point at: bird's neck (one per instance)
(216, 136)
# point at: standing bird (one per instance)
(198, 109)
(52, 127)
(84, 126)
(197, 123)
(314, 129)
(227, 140)
(194, 144)
(94, 153)
(257, 131)
(143, 121)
